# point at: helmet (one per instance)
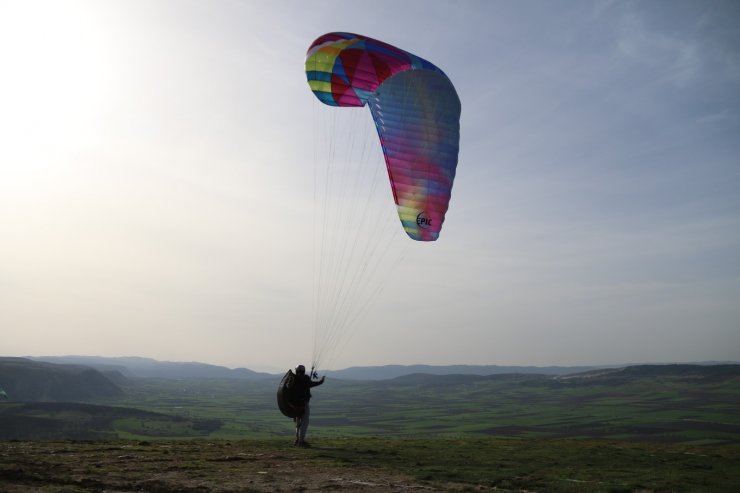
(300, 369)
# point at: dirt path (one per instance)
(185, 467)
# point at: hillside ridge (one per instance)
(37, 381)
(141, 367)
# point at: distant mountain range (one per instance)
(136, 367)
(395, 371)
(95, 378)
(116, 368)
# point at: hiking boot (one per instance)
(304, 444)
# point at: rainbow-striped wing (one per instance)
(416, 111)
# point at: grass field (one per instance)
(367, 464)
(671, 409)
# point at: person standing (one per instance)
(302, 389)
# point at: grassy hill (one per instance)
(674, 404)
(78, 421)
(27, 380)
(639, 429)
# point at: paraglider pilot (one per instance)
(303, 384)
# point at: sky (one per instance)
(157, 175)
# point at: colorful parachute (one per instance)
(416, 112)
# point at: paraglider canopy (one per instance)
(416, 112)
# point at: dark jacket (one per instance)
(302, 386)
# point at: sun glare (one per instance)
(55, 75)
